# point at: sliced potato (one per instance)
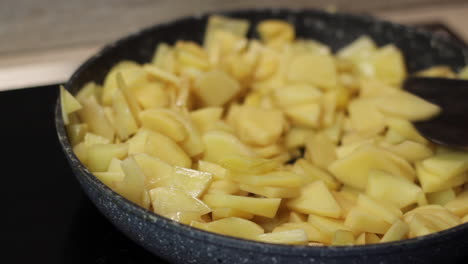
(314, 69)
(208, 89)
(290, 237)
(258, 206)
(316, 199)
(236, 227)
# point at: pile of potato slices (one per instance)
(275, 140)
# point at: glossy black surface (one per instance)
(45, 216)
(450, 127)
(183, 244)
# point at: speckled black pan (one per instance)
(182, 244)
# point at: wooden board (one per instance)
(42, 42)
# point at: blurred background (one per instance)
(48, 39)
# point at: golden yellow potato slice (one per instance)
(289, 237)
(208, 88)
(93, 114)
(313, 234)
(348, 148)
(350, 193)
(407, 106)
(100, 155)
(354, 169)
(68, 103)
(418, 226)
(335, 130)
(346, 203)
(380, 208)
(409, 150)
(271, 192)
(223, 186)
(125, 123)
(437, 71)
(301, 46)
(248, 165)
(152, 95)
(296, 137)
(258, 126)
(374, 88)
(360, 49)
(91, 139)
(216, 23)
(157, 172)
(280, 179)
(459, 205)
(295, 217)
(161, 74)
(258, 206)
(320, 150)
(90, 89)
(269, 151)
(429, 219)
(365, 117)
(397, 231)
(388, 64)
(161, 146)
(110, 179)
(129, 97)
(431, 182)
(327, 226)
(184, 217)
(447, 165)
(115, 165)
(164, 57)
(216, 170)
(131, 72)
(81, 151)
(276, 33)
(441, 197)
(329, 104)
(367, 239)
(267, 65)
(405, 129)
(438, 216)
(193, 182)
(236, 227)
(395, 190)
(312, 173)
(220, 213)
(306, 115)
(137, 143)
(316, 199)
(219, 144)
(190, 54)
(76, 133)
(343, 238)
(314, 69)
(159, 121)
(132, 186)
(193, 144)
(296, 94)
(167, 201)
(205, 118)
(360, 220)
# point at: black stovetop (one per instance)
(45, 217)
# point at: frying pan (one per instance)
(180, 243)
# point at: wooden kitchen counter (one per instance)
(42, 42)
